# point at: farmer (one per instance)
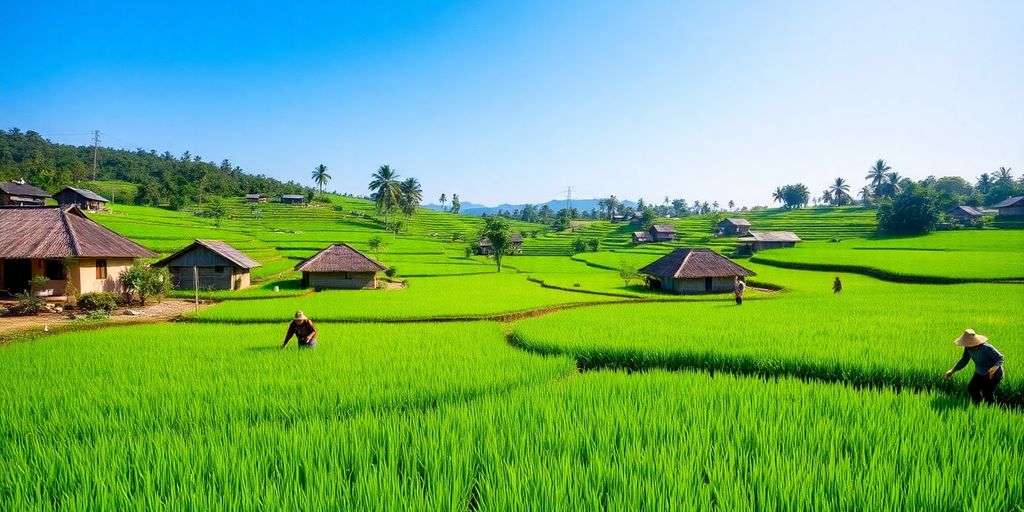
(837, 285)
(738, 287)
(988, 365)
(303, 330)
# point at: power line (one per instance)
(95, 151)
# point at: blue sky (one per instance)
(514, 101)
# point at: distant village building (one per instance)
(616, 217)
(641, 237)
(485, 248)
(84, 199)
(19, 193)
(339, 267)
(964, 214)
(292, 199)
(733, 227)
(39, 241)
(255, 198)
(1011, 207)
(761, 240)
(694, 271)
(219, 266)
(662, 232)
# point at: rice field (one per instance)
(552, 385)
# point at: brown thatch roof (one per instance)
(663, 228)
(217, 247)
(694, 264)
(340, 258)
(769, 236)
(23, 190)
(52, 232)
(1009, 201)
(88, 194)
(736, 222)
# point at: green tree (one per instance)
(647, 217)
(629, 273)
(578, 246)
(387, 191)
(876, 175)
(320, 177)
(376, 245)
(217, 210)
(497, 230)
(840, 192)
(412, 195)
(443, 199)
(145, 282)
(456, 205)
(912, 211)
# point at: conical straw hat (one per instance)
(970, 339)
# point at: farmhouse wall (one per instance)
(340, 280)
(1012, 211)
(84, 276)
(229, 277)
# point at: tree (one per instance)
(497, 230)
(794, 196)
(217, 210)
(443, 199)
(777, 195)
(647, 218)
(412, 195)
(578, 246)
(145, 281)
(839, 191)
(387, 192)
(732, 204)
(1003, 175)
(865, 194)
(594, 244)
(912, 211)
(456, 205)
(376, 244)
(320, 177)
(877, 175)
(629, 273)
(985, 182)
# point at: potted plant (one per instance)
(39, 287)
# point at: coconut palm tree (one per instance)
(777, 196)
(826, 197)
(386, 190)
(877, 175)
(1003, 175)
(893, 184)
(443, 200)
(840, 192)
(865, 194)
(985, 182)
(320, 177)
(412, 195)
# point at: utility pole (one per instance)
(95, 151)
(568, 200)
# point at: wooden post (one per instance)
(195, 282)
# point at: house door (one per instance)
(17, 274)
(707, 284)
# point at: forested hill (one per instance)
(160, 178)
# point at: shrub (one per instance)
(100, 301)
(911, 212)
(594, 244)
(27, 304)
(145, 282)
(390, 272)
(578, 245)
(629, 273)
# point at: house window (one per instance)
(101, 269)
(55, 270)
(219, 269)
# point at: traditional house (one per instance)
(19, 193)
(1011, 207)
(84, 199)
(761, 240)
(662, 232)
(218, 266)
(616, 217)
(964, 214)
(340, 267)
(292, 199)
(64, 245)
(693, 271)
(255, 198)
(641, 237)
(733, 227)
(636, 219)
(485, 248)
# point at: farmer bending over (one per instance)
(738, 287)
(837, 285)
(988, 365)
(303, 330)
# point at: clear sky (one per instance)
(512, 101)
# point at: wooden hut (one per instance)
(693, 271)
(1011, 207)
(255, 198)
(64, 245)
(485, 248)
(19, 193)
(292, 199)
(218, 265)
(84, 199)
(761, 240)
(967, 215)
(339, 267)
(733, 227)
(641, 237)
(662, 232)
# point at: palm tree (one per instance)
(386, 190)
(1003, 175)
(412, 195)
(826, 196)
(865, 194)
(320, 177)
(985, 182)
(777, 196)
(877, 174)
(893, 184)
(443, 199)
(840, 192)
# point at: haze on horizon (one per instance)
(510, 102)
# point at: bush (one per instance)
(27, 304)
(100, 301)
(578, 245)
(145, 282)
(911, 212)
(390, 272)
(594, 244)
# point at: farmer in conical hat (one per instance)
(988, 365)
(303, 330)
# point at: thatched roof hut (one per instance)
(761, 240)
(341, 267)
(694, 271)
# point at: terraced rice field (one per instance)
(553, 385)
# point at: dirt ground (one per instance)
(163, 311)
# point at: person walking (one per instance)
(988, 366)
(738, 288)
(303, 329)
(837, 285)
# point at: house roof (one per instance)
(340, 258)
(770, 236)
(663, 228)
(88, 194)
(516, 238)
(641, 235)
(58, 232)
(292, 196)
(966, 210)
(1009, 202)
(253, 196)
(689, 263)
(735, 222)
(22, 189)
(217, 247)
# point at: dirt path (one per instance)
(169, 309)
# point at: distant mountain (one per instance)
(583, 205)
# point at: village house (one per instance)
(962, 214)
(19, 193)
(84, 199)
(662, 232)
(761, 240)
(641, 237)
(339, 267)
(65, 246)
(694, 271)
(733, 227)
(218, 266)
(292, 199)
(636, 219)
(255, 198)
(1011, 207)
(485, 248)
